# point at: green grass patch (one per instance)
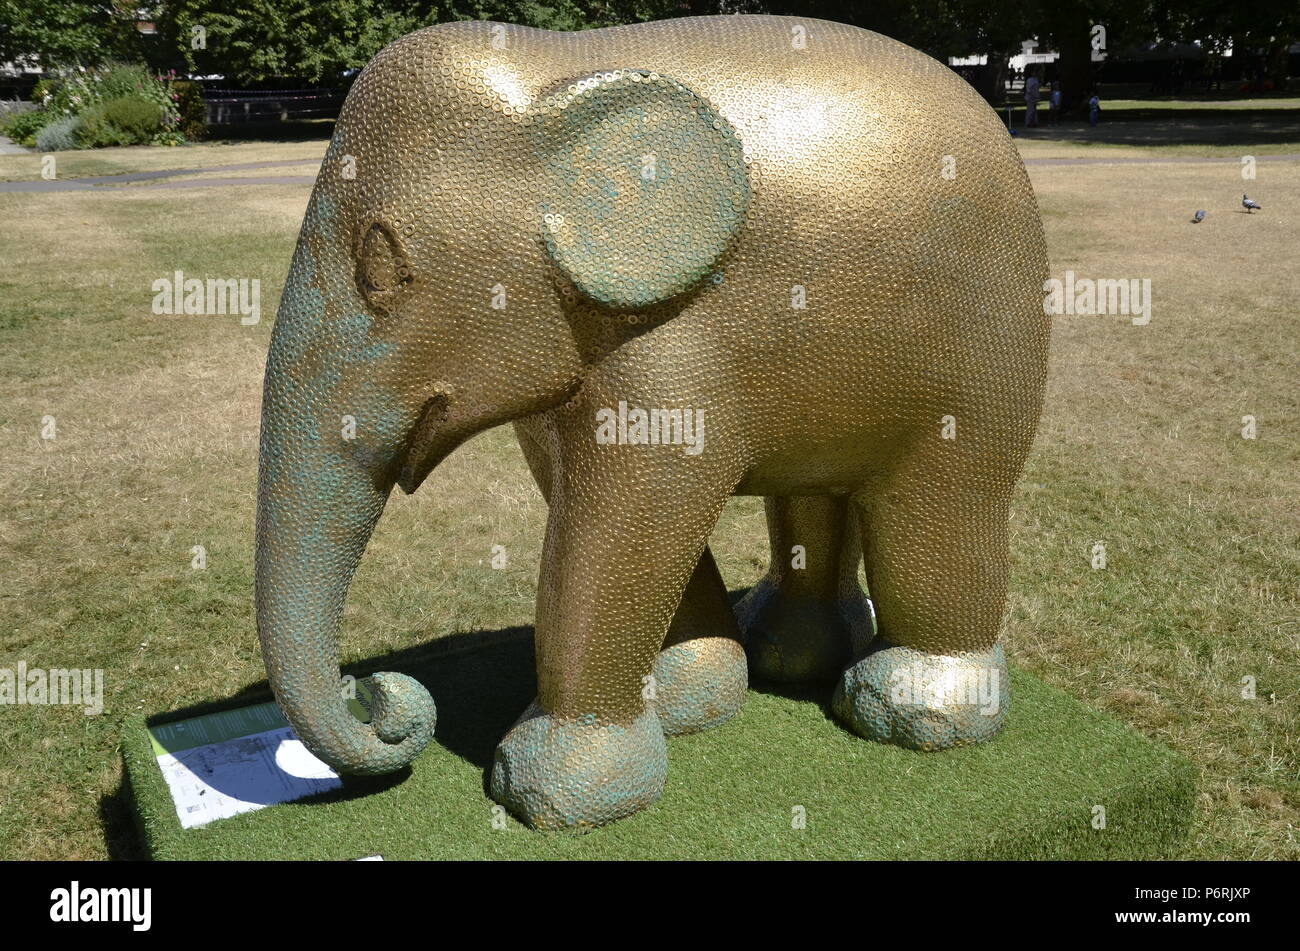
(732, 792)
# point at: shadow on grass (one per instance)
(480, 680)
(123, 839)
(1156, 127)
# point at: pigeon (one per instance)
(1249, 204)
(1200, 216)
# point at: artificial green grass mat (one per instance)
(732, 792)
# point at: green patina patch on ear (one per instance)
(645, 183)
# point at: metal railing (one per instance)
(231, 106)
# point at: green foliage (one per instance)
(136, 117)
(66, 32)
(97, 132)
(262, 39)
(42, 90)
(121, 81)
(314, 42)
(254, 40)
(22, 127)
(68, 93)
(191, 110)
(59, 136)
(117, 104)
(121, 121)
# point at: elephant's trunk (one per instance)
(319, 497)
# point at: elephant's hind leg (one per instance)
(700, 676)
(808, 615)
(935, 545)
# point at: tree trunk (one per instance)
(1072, 31)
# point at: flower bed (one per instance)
(115, 105)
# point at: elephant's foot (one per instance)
(924, 701)
(699, 684)
(577, 775)
(793, 639)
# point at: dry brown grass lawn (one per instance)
(1141, 448)
(83, 164)
(156, 452)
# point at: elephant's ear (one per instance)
(644, 185)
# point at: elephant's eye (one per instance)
(382, 265)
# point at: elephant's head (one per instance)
(459, 222)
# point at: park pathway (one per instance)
(1144, 160)
(105, 182)
(9, 147)
(157, 179)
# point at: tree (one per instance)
(250, 41)
(65, 32)
(1267, 28)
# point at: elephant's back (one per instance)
(842, 128)
(838, 118)
(891, 258)
(891, 265)
(851, 138)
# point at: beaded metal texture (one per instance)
(689, 259)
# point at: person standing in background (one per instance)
(1031, 98)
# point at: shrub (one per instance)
(122, 121)
(119, 104)
(191, 108)
(133, 82)
(59, 136)
(42, 91)
(23, 126)
(67, 94)
(95, 131)
(138, 118)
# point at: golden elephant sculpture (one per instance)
(688, 259)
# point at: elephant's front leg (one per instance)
(700, 676)
(626, 529)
